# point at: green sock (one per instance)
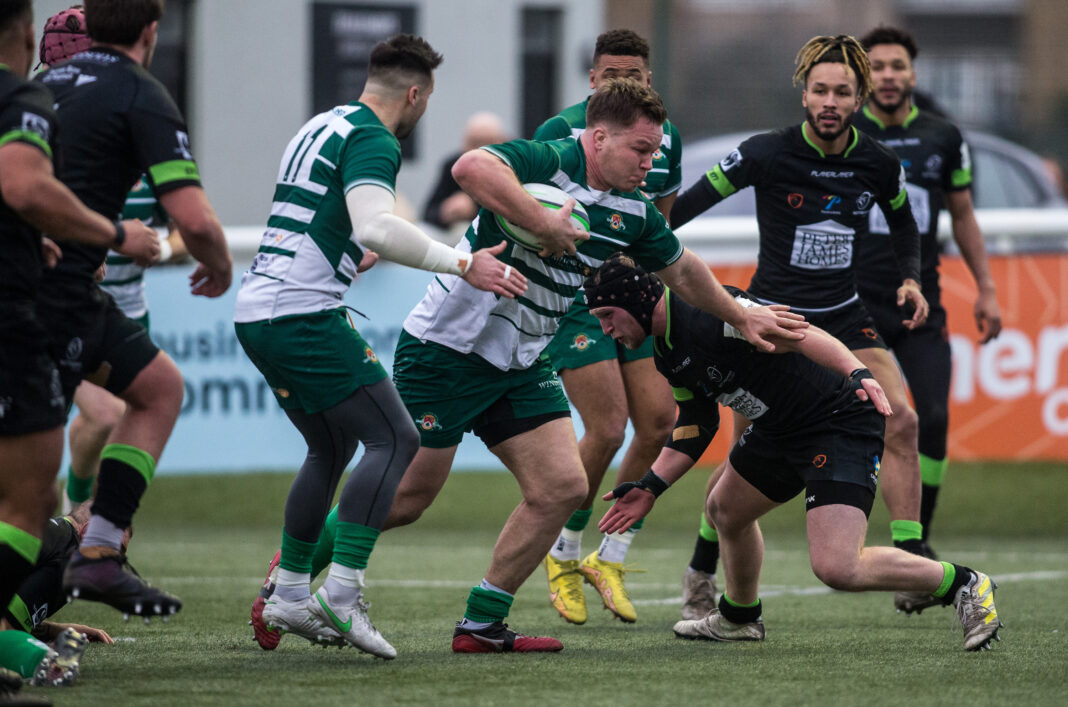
(487, 606)
(932, 471)
(579, 520)
(324, 549)
(353, 544)
(707, 531)
(21, 652)
(296, 554)
(903, 530)
(78, 489)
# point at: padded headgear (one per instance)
(64, 36)
(621, 282)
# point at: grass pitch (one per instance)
(208, 539)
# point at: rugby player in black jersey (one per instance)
(817, 424)
(118, 122)
(938, 168)
(33, 200)
(816, 184)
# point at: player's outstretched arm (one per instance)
(694, 282)
(31, 189)
(191, 211)
(829, 352)
(376, 227)
(493, 184)
(634, 499)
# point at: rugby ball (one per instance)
(551, 198)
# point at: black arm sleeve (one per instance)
(693, 202)
(905, 241)
(695, 427)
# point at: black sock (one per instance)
(927, 506)
(962, 576)
(739, 614)
(119, 491)
(705, 555)
(915, 546)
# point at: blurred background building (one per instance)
(247, 73)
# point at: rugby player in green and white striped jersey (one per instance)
(332, 211)
(605, 381)
(468, 360)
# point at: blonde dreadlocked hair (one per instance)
(841, 49)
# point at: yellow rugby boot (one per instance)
(565, 589)
(607, 579)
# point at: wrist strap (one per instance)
(653, 483)
(120, 234)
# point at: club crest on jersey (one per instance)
(615, 221)
(932, 168)
(369, 355)
(582, 342)
(819, 460)
(659, 154)
(830, 201)
(864, 201)
(795, 200)
(429, 422)
(281, 392)
(876, 466)
(730, 161)
(31, 122)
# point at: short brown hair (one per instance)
(120, 21)
(621, 102)
(621, 42)
(402, 55)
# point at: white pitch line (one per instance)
(769, 591)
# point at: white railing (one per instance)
(734, 238)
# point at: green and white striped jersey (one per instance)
(511, 333)
(663, 179)
(124, 279)
(307, 258)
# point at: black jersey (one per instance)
(936, 161)
(118, 122)
(26, 116)
(707, 361)
(811, 208)
(41, 594)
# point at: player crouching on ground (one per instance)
(817, 426)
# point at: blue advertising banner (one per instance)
(230, 420)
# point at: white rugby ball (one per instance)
(551, 198)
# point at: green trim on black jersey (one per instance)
(898, 201)
(667, 317)
(856, 141)
(18, 609)
(681, 395)
(26, 136)
(26, 545)
(913, 114)
(173, 171)
(961, 177)
(719, 181)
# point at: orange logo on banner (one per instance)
(1008, 398)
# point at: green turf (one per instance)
(208, 540)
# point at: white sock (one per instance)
(292, 586)
(101, 532)
(614, 547)
(343, 584)
(568, 546)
